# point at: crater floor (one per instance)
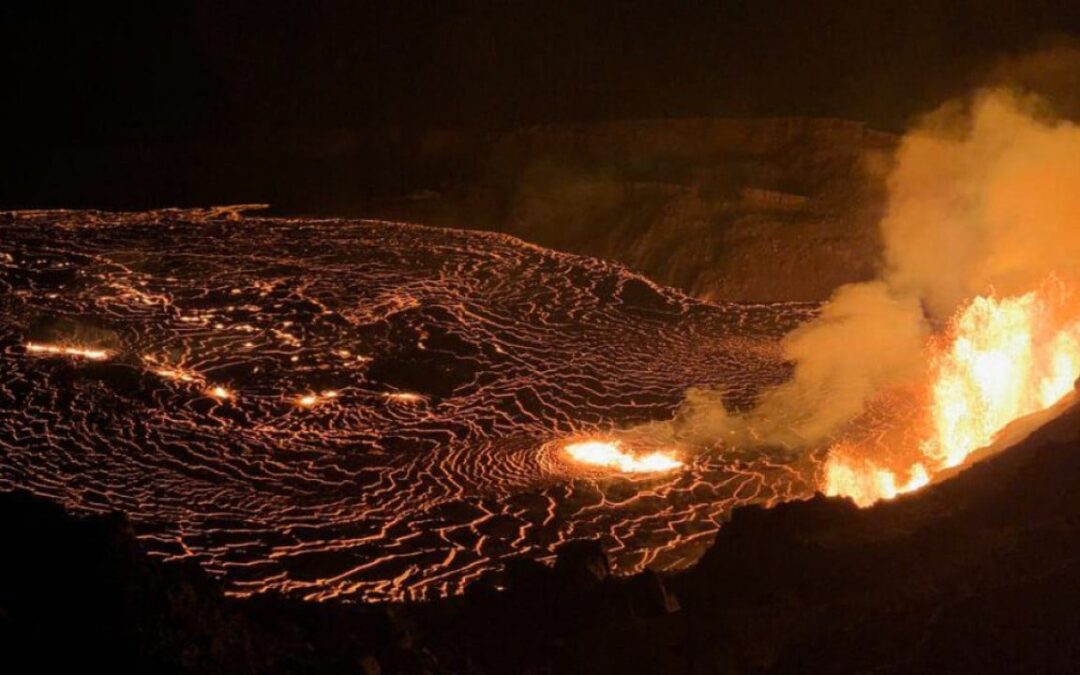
(360, 409)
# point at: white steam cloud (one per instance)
(984, 197)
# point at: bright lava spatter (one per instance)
(612, 455)
(359, 409)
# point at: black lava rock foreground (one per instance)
(980, 573)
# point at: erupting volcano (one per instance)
(1007, 358)
(376, 410)
(591, 337)
(998, 361)
(982, 224)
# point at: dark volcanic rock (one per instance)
(737, 209)
(752, 210)
(80, 594)
(525, 575)
(951, 579)
(581, 563)
(977, 574)
(649, 595)
(980, 573)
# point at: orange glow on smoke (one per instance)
(67, 350)
(611, 455)
(1000, 360)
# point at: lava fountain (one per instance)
(973, 321)
(1000, 359)
(1007, 358)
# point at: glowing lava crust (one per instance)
(364, 409)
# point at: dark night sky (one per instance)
(159, 70)
(88, 74)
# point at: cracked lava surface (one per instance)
(358, 409)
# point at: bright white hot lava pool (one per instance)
(364, 410)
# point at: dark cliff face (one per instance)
(79, 593)
(752, 210)
(980, 573)
(746, 210)
(976, 574)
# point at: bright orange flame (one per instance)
(67, 350)
(610, 454)
(865, 482)
(1009, 358)
(1005, 358)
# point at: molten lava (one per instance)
(275, 383)
(67, 350)
(1008, 358)
(220, 393)
(849, 474)
(1001, 359)
(312, 400)
(611, 455)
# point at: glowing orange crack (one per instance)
(67, 350)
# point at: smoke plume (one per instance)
(984, 197)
